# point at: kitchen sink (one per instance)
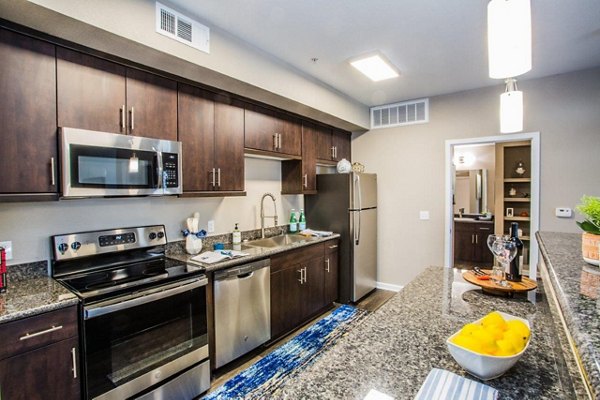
(279, 241)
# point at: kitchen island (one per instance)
(394, 349)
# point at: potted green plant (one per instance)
(590, 240)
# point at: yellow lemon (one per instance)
(494, 318)
(469, 329)
(519, 327)
(467, 342)
(505, 348)
(517, 340)
(495, 331)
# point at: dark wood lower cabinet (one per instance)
(301, 287)
(470, 243)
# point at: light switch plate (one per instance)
(8, 247)
(564, 212)
(424, 215)
(211, 226)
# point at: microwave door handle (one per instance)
(159, 169)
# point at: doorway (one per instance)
(533, 139)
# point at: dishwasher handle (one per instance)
(242, 271)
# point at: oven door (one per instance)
(138, 341)
(99, 164)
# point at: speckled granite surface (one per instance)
(31, 291)
(577, 287)
(394, 349)
(177, 252)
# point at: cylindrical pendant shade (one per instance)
(509, 37)
(511, 112)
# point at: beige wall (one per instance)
(30, 225)
(409, 160)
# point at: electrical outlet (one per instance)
(8, 248)
(211, 226)
(424, 215)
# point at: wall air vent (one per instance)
(181, 28)
(404, 113)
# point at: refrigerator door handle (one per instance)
(357, 188)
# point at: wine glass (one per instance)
(505, 250)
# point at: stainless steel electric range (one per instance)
(143, 316)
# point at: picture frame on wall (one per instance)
(510, 212)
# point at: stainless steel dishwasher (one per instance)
(242, 310)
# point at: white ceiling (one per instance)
(438, 45)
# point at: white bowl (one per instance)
(483, 366)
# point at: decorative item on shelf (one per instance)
(520, 168)
(526, 195)
(193, 236)
(590, 240)
(358, 167)
(344, 166)
(512, 192)
(510, 212)
(524, 214)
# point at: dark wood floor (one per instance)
(371, 302)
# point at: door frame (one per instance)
(534, 137)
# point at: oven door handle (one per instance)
(148, 296)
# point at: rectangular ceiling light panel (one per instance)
(375, 67)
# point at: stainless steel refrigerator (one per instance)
(347, 204)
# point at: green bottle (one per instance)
(302, 223)
(293, 222)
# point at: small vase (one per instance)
(590, 244)
(193, 244)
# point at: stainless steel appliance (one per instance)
(242, 310)
(347, 204)
(100, 164)
(143, 316)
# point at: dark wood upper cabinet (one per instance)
(268, 131)
(340, 141)
(324, 146)
(300, 176)
(100, 95)
(90, 92)
(27, 117)
(332, 145)
(212, 133)
(151, 105)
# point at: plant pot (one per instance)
(589, 248)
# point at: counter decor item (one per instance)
(344, 166)
(520, 168)
(590, 240)
(193, 237)
(482, 278)
(504, 249)
(358, 167)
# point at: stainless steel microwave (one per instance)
(100, 164)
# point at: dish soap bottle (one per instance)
(302, 221)
(237, 235)
(293, 222)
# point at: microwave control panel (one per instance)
(170, 162)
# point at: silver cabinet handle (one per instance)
(214, 178)
(332, 152)
(305, 178)
(279, 140)
(74, 360)
(122, 111)
(52, 172)
(132, 119)
(305, 274)
(335, 152)
(301, 280)
(40, 333)
(219, 177)
(327, 265)
(476, 239)
(333, 246)
(275, 141)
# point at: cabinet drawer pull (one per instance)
(301, 280)
(74, 360)
(484, 229)
(334, 246)
(327, 265)
(304, 274)
(52, 172)
(32, 335)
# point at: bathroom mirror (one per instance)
(472, 191)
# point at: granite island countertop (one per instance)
(393, 349)
(31, 291)
(576, 286)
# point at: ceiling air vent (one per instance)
(181, 28)
(404, 113)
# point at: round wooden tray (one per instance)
(489, 286)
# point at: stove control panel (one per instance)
(83, 244)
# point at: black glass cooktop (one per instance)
(127, 278)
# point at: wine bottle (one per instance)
(514, 270)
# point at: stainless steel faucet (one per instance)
(262, 213)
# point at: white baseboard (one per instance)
(389, 286)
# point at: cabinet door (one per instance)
(151, 105)
(324, 145)
(90, 92)
(309, 159)
(483, 254)
(290, 131)
(196, 132)
(229, 147)
(463, 242)
(341, 143)
(313, 299)
(331, 276)
(46, 373)
(287, 297)
(260, 129)
(28, 114)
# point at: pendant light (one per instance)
(509, 38)
(511, 108)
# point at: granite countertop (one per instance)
(393, 349)
(31, 291)
(255, 253)
(576, 285)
